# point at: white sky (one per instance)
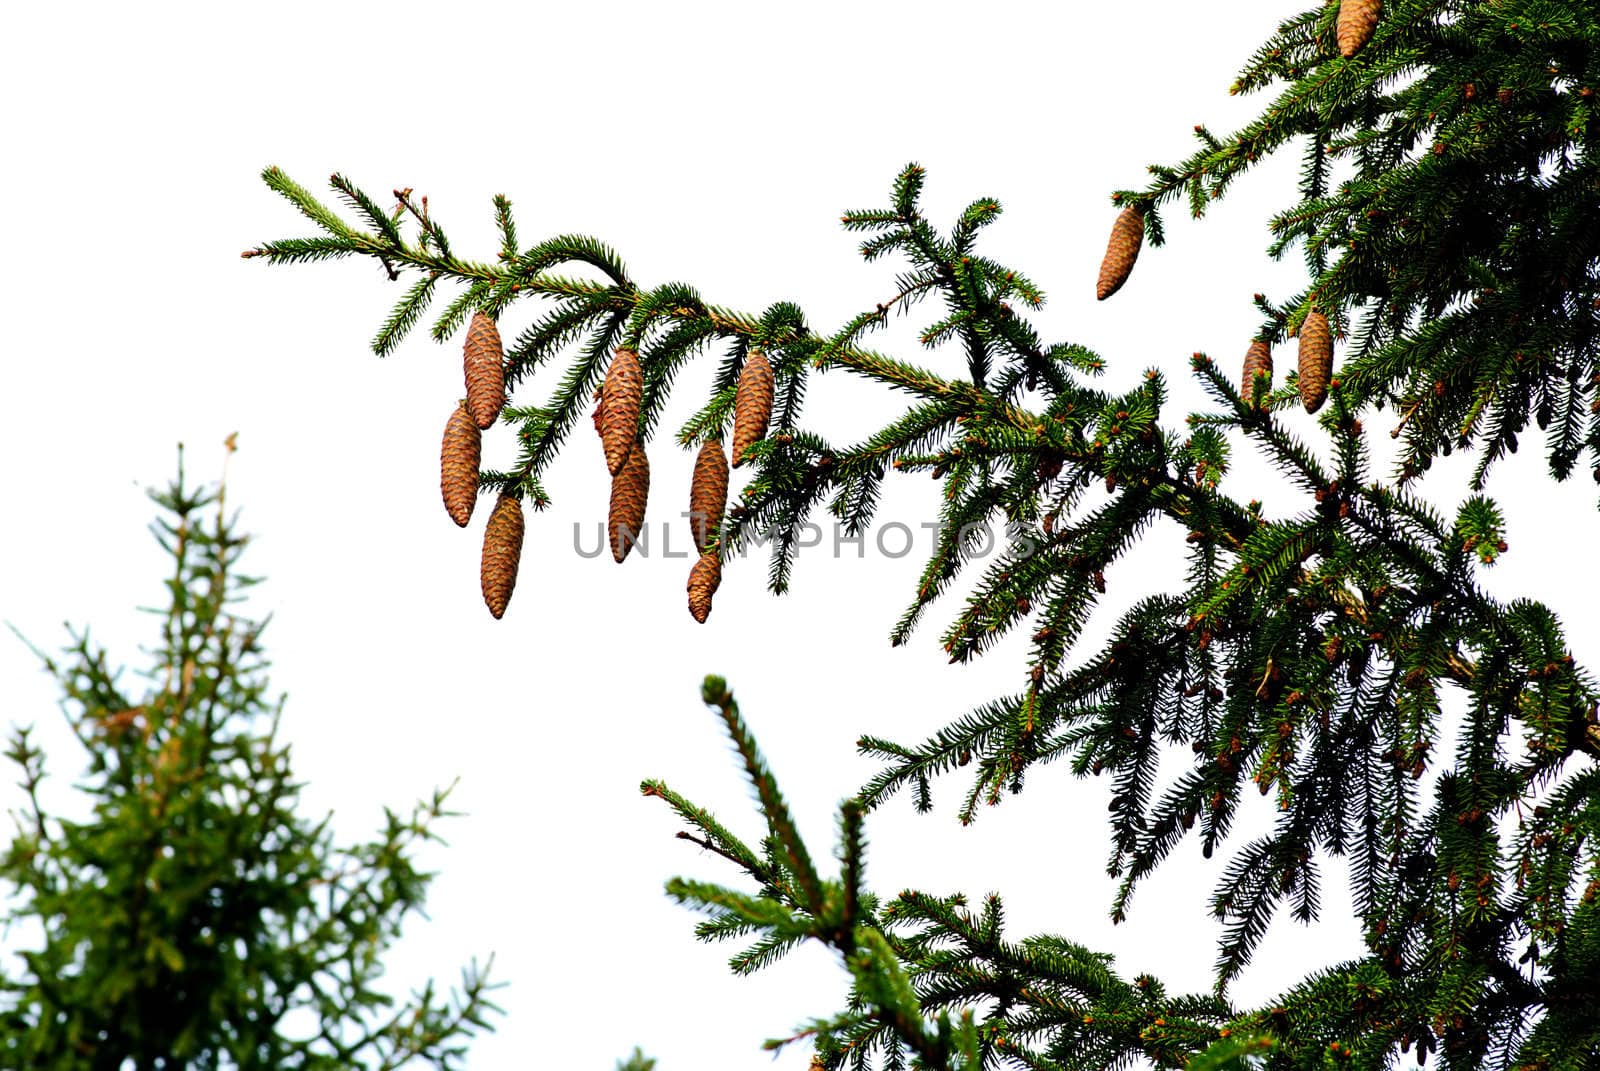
(711, 143)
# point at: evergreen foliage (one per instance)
(192, 919)
(637, 1061)
(1449, 213)
(922, 966)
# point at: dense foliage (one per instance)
(189, 918)
(1446, 214)
(1448, 211)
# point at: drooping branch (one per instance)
(1308, 645)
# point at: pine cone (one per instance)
(1257, 362)
(708, 494)
(1316, 360)
(704, 579)
(1127, 235)
(1356, 21)
(619, 408)
(752, 404)
(502, 551)
(483, 364)
(630, 487)
(458, 465)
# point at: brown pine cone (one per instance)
(704, 579)
(752, 404)
(619, 408)
(1257, 362)
(482, 362)
(502, 552)
(1316, 360)
(458, 465)
(1127, 235)
(1357, 18)
(630, 487)
(708, 494)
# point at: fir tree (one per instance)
(1449, 215)
(190, 918)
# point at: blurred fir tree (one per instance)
(1449, 213)
(637, 1061)
(190, 919)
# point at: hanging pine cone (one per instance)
(619, 408)
(752, 404)
(1127, 235)
(630, 487)
(1357, 18)
(458, 465)
(704, 579)
(482, 361)
(1257, 362)
(1316, 360)
(708, 494)
(502, 551)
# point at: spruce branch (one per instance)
(1306, 645)
(936, 982)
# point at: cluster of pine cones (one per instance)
(616, 420)
(483, 364)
